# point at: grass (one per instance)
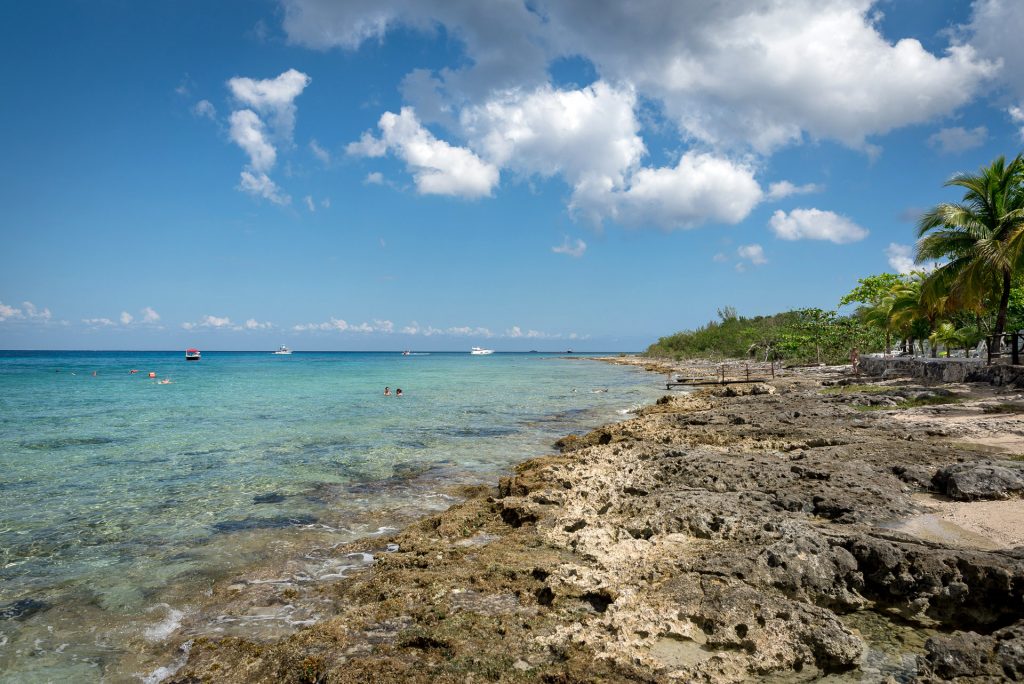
(913, 403)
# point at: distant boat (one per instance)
(191, 354)
(568, 351)
(480, 351)
(283, 350)
(406, 353)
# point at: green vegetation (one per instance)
(974, 293)
(860, 389)
(913, 403)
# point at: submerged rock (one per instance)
(22, 609)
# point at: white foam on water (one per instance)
(166, 627)
(3, 639)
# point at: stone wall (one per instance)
(942, 370)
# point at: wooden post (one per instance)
(773, 368)
(722, 370)
(1015, 349)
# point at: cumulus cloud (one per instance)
(208, 321)
(126, 318)
(253, 324)
(341, 325)
(7, 311)
(701, 188)
(815, 224)
(720, 258)
(1017, 116)
(32, 312)
(260, 185)
(149, 315)
(781, 189)
(415, 328)
(574, 249)
(752, 253)
(586, 135)
(98, 322)
(374, 178)
(751, 73)
(272, 97)
(901, 258)
(248, 132)
(309, 203)
(204, 109)
(438, 168)
(959, 139)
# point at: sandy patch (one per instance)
(980, 524)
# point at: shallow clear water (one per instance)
(121, 495)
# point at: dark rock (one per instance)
(975, 481)
(278, 521)
(270, 497)
(22, 609)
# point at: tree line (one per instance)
(970, 288)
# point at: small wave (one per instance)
(166, 627)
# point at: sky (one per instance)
(440, 174)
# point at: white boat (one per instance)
(480, 351)
(283, 350)
(190, 355)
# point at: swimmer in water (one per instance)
(387, 391)
(398, 392)
(165, 381)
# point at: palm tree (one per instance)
(981, 237)
(881, 316)
(947, 335)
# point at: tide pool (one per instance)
(122, 497)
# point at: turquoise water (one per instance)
(121, 496)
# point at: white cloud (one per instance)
(374, 178)
(758, 73)
(574, 249)
(752, 253)
(341, 325)
(900, 257)
(126, 318)
(35, 313)
(98, 322)
(253, 324)
(815, 224)
(149, 315)
(320, 153)
(215, 322)
(325, 203)
(248, 132)
(701, 188)
(437, 167)
(769, 73)
(204, 109)
(781, 189)
(720, 258)
(1017, 116)
(309, 203)
(584, 135)
(7, 311)
(260, 185)
(959, 139)
(273, 97)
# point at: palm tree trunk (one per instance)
(1004, 301)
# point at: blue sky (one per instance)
(443, 174)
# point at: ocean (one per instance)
(123, 500)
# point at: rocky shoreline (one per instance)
(747, 532)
